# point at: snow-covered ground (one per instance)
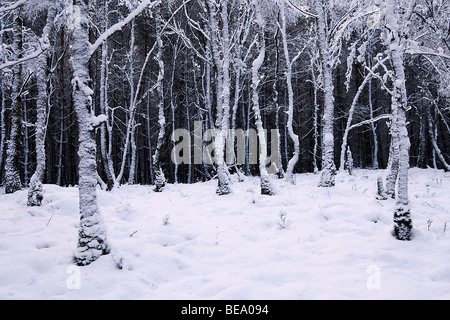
(187, 243)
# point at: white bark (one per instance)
(92, 235)
(327, 178)
(12, 177)
(106, 128)
(294, 137)
(223, 88)
(266, 187)
(145, 4)
(395, 41)
(2, 123)
(133, 106)
(316, 114)
(35, 191)
(159, 179)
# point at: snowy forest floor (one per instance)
(304, 242)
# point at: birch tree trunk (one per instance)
(132, 120)
(2, 124)
(105, 128)
(316, 115)
(394, 39)
(35, 191)
(266, 187)
(12, 176)
(293, 161)
(222, 62)
(327, 178)
(160, 180)
(2, 111)
(92, 234)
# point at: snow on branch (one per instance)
(119, 25)
(302, 11)
(427, 51)
(380, 117)
(31, 56)
(13, 6)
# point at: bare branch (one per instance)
(13, 6)
(118, 26)
(380, 117)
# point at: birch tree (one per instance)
(35, 191)
(12, 175)
(257, 63)
(294, 137)
(159, 178)
(394, 38)
(327, 178)
(220, 43)
(92, 242)
(106, 128)
(399, 36)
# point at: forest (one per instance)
(105, 93)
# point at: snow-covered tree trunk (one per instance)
(394, 39)
(294, 137)
(106, 128)
(92, 234)
(315, 117)
(221, 58)
(266, 187)
(25, 144)
(159, 179)
(131, 130)
(391, 178)
(35, 191)
(3, 107)
(12, 176)
(2, 123)
(328, 173)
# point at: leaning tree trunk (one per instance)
(35, 191)
(294, 137)
(92, 234)
(12, 176)
(266, 187)
(437, 151)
